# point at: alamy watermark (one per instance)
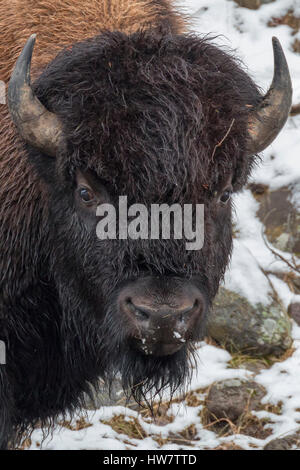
(163, 222)
(2, 353)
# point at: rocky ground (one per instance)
(245, 393)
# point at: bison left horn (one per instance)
(269, 117)
(38, 126)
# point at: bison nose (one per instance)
(162, 328)
(164, 316)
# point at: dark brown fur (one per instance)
(145, 108)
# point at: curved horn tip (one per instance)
(267, 120)
(38, 126)
(31, 39)
(21, 71)
(281, 69)
(27, 51)
(29, 45)
(275, 41)
(277, 49)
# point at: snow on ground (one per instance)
(247, 32)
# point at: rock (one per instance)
(258, 188)
(280, 217)
(296, 46)
(105, 397)
(255, 366)
(232, 398)
(252, 4)
(278, 444)
(294, 312)
(284, 443)
(227, 446)
(238, 326)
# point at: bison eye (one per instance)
(86, 195)
(225, 196)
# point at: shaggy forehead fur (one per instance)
(153, 114)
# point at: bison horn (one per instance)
(269, 117)
(38, 126)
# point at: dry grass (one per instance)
(289, 277)
(192, 398)
(186, 437)
(288, 353)
(159, 414)
(132, 428)
(238, 360)
(275, 409)
(81, 423)
(26, 443)
(247, 424)
(228, 446)
(128, 426)
(289, 19)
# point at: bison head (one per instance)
(158, 118)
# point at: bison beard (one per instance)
(142, 376)
(144, 115)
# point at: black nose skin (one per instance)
(164, 317)
(161, 322)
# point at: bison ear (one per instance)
(269, 117)
(38, 126)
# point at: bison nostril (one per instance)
(196, 305)
(183, 315)
(184, 319)
(141, 315)
(138, 312)
(160, 321)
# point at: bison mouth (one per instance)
(156, 349)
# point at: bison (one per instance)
(123, 102)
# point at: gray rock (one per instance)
(105, 397)
(294, 312)
(232, 398)
(284, 443)
(254, 365)
(240, 327)
(279, 213)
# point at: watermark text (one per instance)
(162, 222)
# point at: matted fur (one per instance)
(144, 108)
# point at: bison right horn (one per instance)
(38, 126)
(269, 117)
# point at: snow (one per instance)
(245, 31)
